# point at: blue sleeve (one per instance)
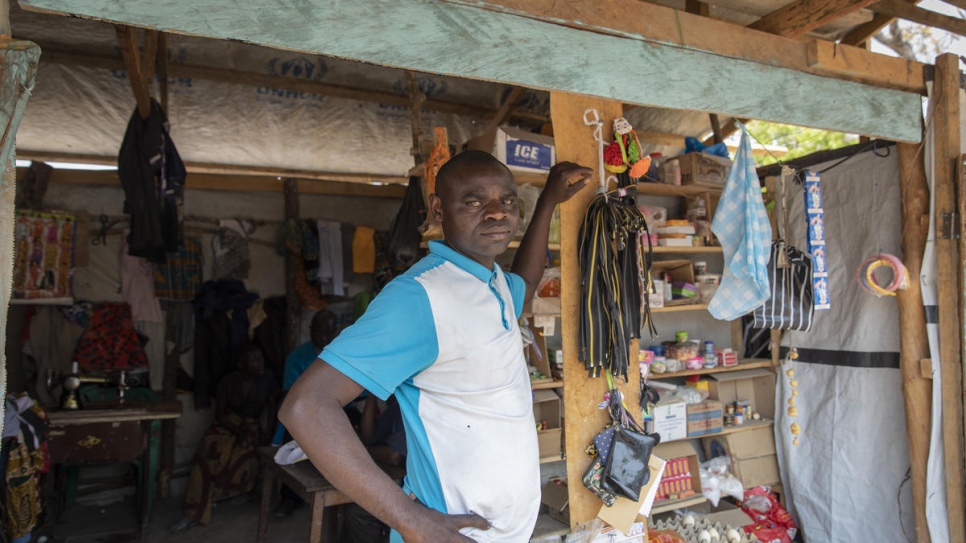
(394, 340)
(518, 289)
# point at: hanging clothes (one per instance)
(742, 226)
(331, 274)
(110, 341)
(230, 249)
(26, 458)
(137, 287)
(152, 176)
(221, 327)
(181, 275)
(363, 250)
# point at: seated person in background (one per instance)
(226, 464)
(385, 439)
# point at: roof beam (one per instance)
(902, 10)
(234, 170)
(131, 54)
(546, 47)
(221, 75)
(516, 94)
(232, 183)
(663, 25)
(803, 16)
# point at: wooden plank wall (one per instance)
(947, 152)
(575, 143)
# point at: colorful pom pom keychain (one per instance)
(625, 151)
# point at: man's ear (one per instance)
(436, 207)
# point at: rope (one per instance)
(866, 278)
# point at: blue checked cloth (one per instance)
(741, 225)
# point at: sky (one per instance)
(958, 45)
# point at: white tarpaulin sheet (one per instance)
(844, 478)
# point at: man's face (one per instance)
(479, 212)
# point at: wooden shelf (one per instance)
(685, 250)
(660, 189)
(546, 384)
(663, 506)
(676, 308)
(743, 364)
(513, 245)
(749, 425)
(547, 525)
(551, 459)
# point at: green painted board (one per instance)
(465, 41)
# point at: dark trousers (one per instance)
(358, 526)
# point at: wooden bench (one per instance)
(309, 484)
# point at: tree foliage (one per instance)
(798, 140)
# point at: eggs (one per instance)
(704, 536)
(732, 536)
(715, 536)
(688, 520)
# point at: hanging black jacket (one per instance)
(152, 175)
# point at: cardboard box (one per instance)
(521, 151)
(556, 497)
(757, 386)
(675, 470)
(728, 515)
(682, 271)
(753, 458)
(703, 169)
(547, 408)
(538, 357)
(742, 445)
(705, 418)
(671, 420)
(762, 471)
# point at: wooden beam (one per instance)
(836, 58)
(149, 55)
(716, 134)
(726, 131)
(575, 142)
(542, 53)
(902, 10)
(132, 63)
(233, 170)
(293, 308)
(914, 342)
(234, 183)
(416, 99)
(516, 94)
(5, 19)
(651, 22)
(697, 7)
(803, 16)
(162, 68)
(946, 120)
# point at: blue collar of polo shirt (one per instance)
(465, 263)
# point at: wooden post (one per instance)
(914, 344)
(131, 53)
(947, 126)
(162, 69)
(169, 392)
(575, 142)
(416, 100)
(293, 308)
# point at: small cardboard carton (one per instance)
(556, 497)
(753, 458)
(538, 357)
(705, 418)
(521, 151)
(671, 420)
(703, 170)
(546, 409)
(678, 469)
(756, 385)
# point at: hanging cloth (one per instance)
(741, 225)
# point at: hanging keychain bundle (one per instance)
(610, 267)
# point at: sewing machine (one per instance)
(73, 381)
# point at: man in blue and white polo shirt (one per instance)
(444, 339)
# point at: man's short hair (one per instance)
(323, 328)
(467, 162)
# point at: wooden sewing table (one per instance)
(109, 433)
(309, 484)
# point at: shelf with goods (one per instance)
(744, 427)
(744, 364)
(680, 308)
(712, 249)
(663, 506)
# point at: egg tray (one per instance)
(692, 533)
